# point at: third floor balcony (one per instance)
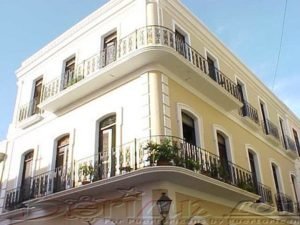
(146, 46)
(290, 146)
(250, 114)
(271, 130)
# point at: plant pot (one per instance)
(85, 182)
(163, 162)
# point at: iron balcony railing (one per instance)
(297, 208)
(28, 110)
(270, 128)
(290, 144)
(249, 111)
(143, 37)
(38, 186)
(134, 156)
(285, 203)
(264, 192)
(53, 181)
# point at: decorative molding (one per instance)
(166, 105)
(104, 13)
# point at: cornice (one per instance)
(85, 25)
(200, 29)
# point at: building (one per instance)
(118, 110)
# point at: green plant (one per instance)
(246, 185)
(224, 171)
(214, 170)
(165, 151)
(86, 170)
(192, 164)
(126, 169)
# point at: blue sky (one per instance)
(251, 29)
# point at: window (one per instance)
(296, 141)
(62, 151)
(241, 89)
(69, 72)
(109, 49)
(276, 178)
(224, 170)
(188, 128)
(254, 168)
(264, 116)
(180, 43)
(107, 144)
(212, 71)
(282, 129)
(37, 94)
(26, 176)
(293, 179)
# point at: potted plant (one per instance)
(246, 185)
(125, 169)
(192, 164)
(86, 170)
(164, 153)
(224, 171)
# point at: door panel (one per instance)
(107, 141)
(61, 164)
(26, 177)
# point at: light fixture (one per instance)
(163, 204)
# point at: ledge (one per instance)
(173, 174)
(30, 121)
(148, 55)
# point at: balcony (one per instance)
(145, 46)
(135, 160)
(250, 115)
(285, 204)
(29, 114)
(290, 146)
(271, 131)
(264, 192)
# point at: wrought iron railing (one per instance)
(297, 208)
(43, 184)
(141, 153)
(290, 144)
(28, 110)
(264, 192)
(285, 203)
(270, 128)
(249, 111)
(143, 37)
(13, 199)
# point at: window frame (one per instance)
(279, 176)
(266, 114)
(197, 123)
(228, 141)
(65, 85)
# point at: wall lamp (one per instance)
(163, 204)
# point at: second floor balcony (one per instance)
(140, 158)
(286, 204)
(146, 46)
